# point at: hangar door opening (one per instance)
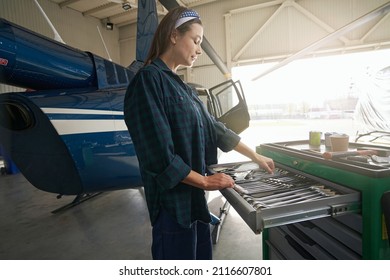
(323, 94)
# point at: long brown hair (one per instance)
(164, 30)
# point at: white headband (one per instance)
(186, 16)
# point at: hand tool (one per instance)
(331, 155)
(305, 198)
(260, 204)
(383, 161)
(239, 189)
(358, 152)
(278, 195)
(298, 192)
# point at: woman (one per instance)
(175, 139)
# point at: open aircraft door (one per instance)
(230, 105)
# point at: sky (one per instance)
(311, 80)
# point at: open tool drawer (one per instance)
(288, 196)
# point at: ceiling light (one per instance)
(126, 6)
(109, 26)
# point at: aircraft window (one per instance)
(15, 116)
(226, 99)
(121, 74)
(110, 72)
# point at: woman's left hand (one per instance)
(266, 163)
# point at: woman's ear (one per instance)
(173, 37)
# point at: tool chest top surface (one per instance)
(301, 150)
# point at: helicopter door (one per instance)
(230, 105)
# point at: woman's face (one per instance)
(187, 47)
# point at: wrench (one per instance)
(283, 193)
(311, 197)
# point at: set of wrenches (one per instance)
(281, 189)
(295, 195)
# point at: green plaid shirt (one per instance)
(172, 134)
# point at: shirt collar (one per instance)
(161, 64)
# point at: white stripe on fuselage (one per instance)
(78, 126)
(80, 111)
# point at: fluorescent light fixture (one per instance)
(109, 26)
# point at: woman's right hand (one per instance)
(218, 181)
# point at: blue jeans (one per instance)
(173, 242)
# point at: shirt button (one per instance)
(181, 98)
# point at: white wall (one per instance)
(127, 43)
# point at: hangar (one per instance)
(269, 34)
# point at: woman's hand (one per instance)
(265, 162)
(213, 182)
(218, 181)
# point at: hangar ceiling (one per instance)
(274, 29)
(303, 30)
(283, 27)
(118, 12)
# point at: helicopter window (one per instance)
(110, 72)
(121, 74)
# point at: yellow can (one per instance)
(315, 138)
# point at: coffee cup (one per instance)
(339, 142)
(327, 139)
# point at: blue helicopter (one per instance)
(66, 132)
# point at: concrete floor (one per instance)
(110, 226)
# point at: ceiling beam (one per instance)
(257, 6)
(67, 3)
(379, 23)
(260, 30)
(100, 8)
(316, 20)
(198, 3)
